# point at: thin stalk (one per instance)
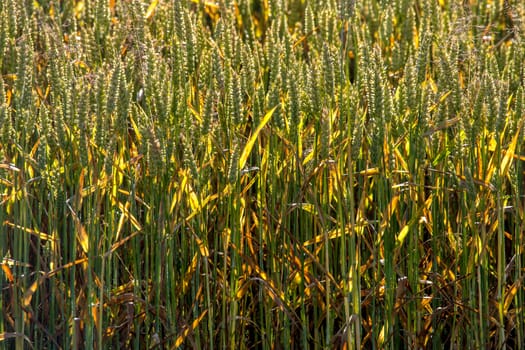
(500, 292)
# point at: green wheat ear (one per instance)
(328, 71)
(207, 112)
(4, 119)
(190, 163)
(294, 107)
(114, 88)
(233, 168)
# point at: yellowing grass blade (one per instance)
(249, 145)
(308, 158)
(7, 272)
(28, 295)
(390, 210)
(243, 288)
(95, 313)
(206, 3)
(333, 234)
(509, 154)
(41, 235)
(151, 9)
(82, 235)
(9, 167)
(203, 249)
(187, 331)
(308, 207)
(402, 235)
(83, 238)
(204, 203)
(507, 158)
(336, 233)
(195, 113)
(136, 128)
(101, 183)
(120, 243)
(177, 196)
(442, 126)
(509, 297)
(66, 266)
(124, 208)
(189, 273)
(369, 172)
(193, 199)
(441, 99)
(404, 231)
(381, 339)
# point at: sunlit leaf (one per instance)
(28, 294)
(249, 145)
(7, 272)
(35, 232)
(151, 9)
(180, 339)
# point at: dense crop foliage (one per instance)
(265, 174)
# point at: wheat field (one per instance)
(262, 174)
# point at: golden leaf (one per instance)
(249, 145)
(151, 9)
(187, 331)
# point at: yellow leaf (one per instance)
(444, 125)
(151, 9)
(492, 143)
(206, 3)
(83, 238)
(308, 207)
(195, 113)
(79, 7)
(189, 273)
(81, 64)
(402, 235)
(28, 295)
(243, 288)
(7, 272)
(66, 266)
(381, 339)
(509, 154)
(95, 313)
(187, 331)
(202, 247)
(369, 172)
(136, 128)
(201, 206)
(9, 167)
(41, 235)
(194, 200)
(308, 158)
(336, 233)
(390, 210)
(125, 211)
(249, 145)
(82, 235)
(509, 297)
(441, 99)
